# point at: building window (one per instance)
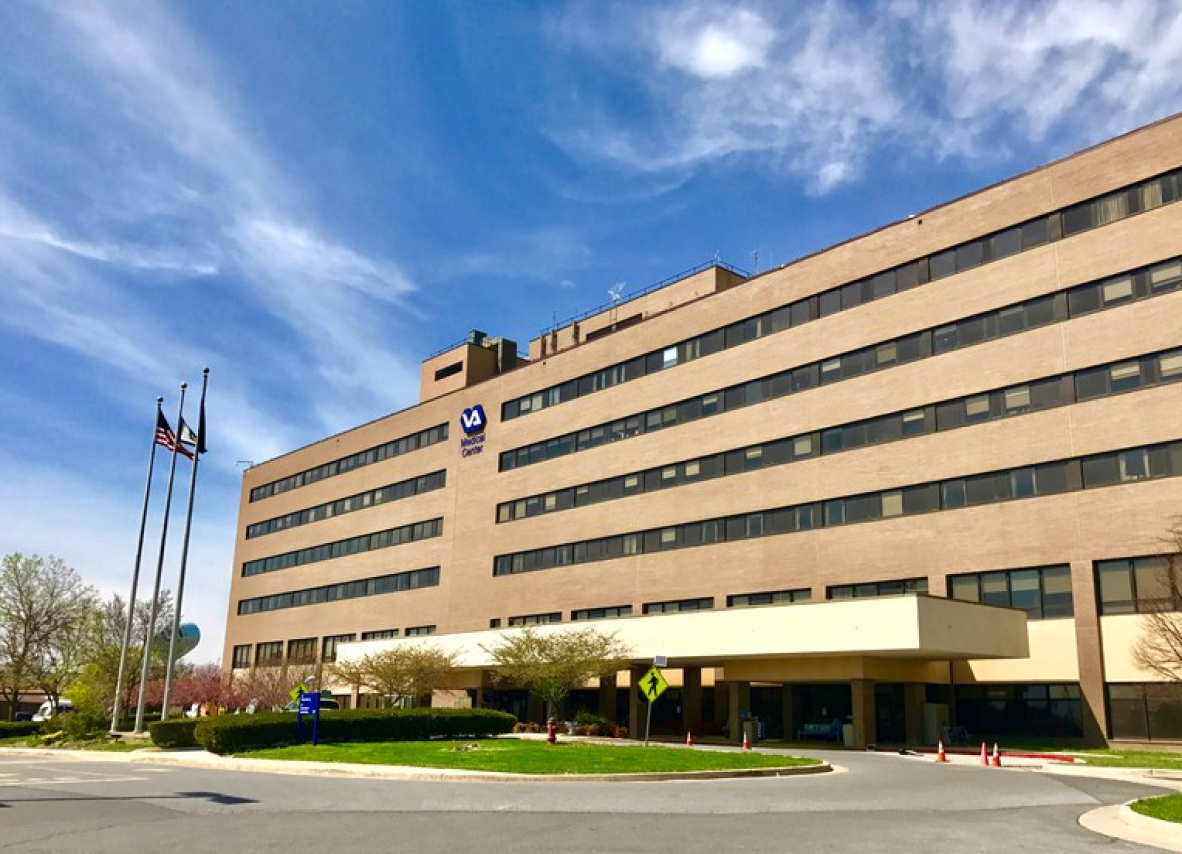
(380, 634)
(536, 619)
(330, 644)
(1139, 585)
(1145, 711)
(269, 654)
(678, 606)
(302, 651)
(771, 597)
(1042, 592)
(873, 589)
(420, 631)
(1034, 710)
(241, 657)
(449, 370)
(602, 613)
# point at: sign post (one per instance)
(308, 704)
(652, 685)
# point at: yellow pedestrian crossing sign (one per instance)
(295, 692)
(653, 685)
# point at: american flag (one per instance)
(166, 438)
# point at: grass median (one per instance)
(520, 756)
(1166, 807)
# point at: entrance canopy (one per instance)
(916, 628)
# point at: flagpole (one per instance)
(135, 579)
(139, 710)
(180, 584)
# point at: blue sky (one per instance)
(310, 198)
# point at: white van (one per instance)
(47, 710)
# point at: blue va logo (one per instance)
(473, 420)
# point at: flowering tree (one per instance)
(553, 664)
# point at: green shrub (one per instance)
(587, 723)
(174, 733)
(235, 733)
(87, 721)
(16, 729)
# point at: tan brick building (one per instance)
(754, 476)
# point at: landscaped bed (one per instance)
(1166, 807)
(518, 756)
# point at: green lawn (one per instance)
(100, 744)
(1130, 759)
(519, 756)
(1166, 807)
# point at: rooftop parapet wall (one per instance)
(630, 311)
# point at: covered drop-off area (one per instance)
(855, 672)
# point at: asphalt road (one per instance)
(881, 803)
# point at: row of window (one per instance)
(1047, 393)
(874, 589)
(387, 450)
(1124, 586)
(1042, 592)
(342, 548)
(394, 492)
(1002, 244)
(1145, 711)
(1034, 710)
(1143, 585)
(1052, 308)
(1130, 464)
(394, 583)
(303, 650)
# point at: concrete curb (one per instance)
(1120, 822)
(204, 759)
(1166, 831)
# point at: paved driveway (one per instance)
(880, 802)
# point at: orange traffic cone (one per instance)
(940, 755)
(996, 760)
(984, 755)
(746, 744)
(689, 738)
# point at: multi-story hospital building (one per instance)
(920, 478)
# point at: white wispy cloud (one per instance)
(817, 90)
(184, 187)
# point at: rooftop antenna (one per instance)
(755, 258)
(615, 292)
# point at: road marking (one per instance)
(67, 780)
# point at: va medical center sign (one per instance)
(472, 421)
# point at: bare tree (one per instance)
(105, 627)
(553, 664)
(407, 670)
(42, 603)
(1159, 648)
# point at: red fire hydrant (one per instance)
(552, 731)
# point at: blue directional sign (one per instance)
(309, 703)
